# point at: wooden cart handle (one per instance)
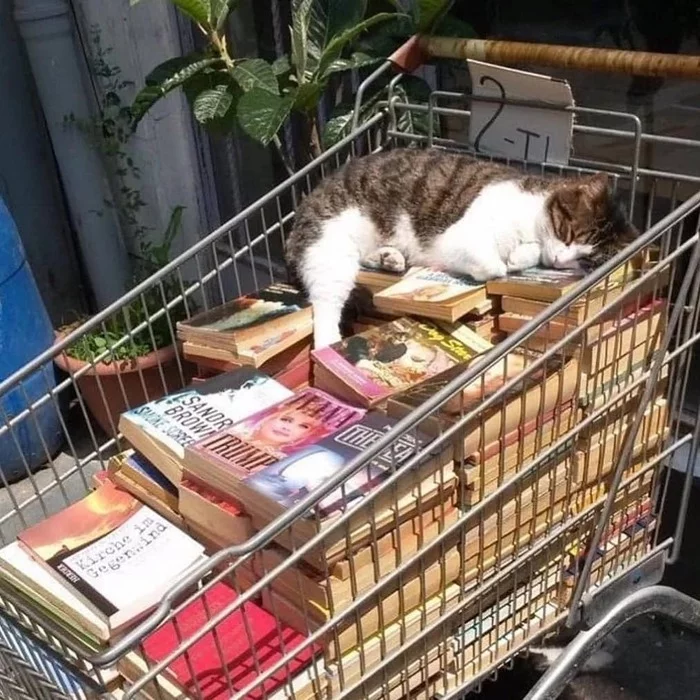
(580, 58)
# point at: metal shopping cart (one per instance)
(518, 577)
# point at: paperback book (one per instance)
(160, 430)
(251, 319)
(280, 486)
(118, 555)
(433, 294)
(369, 367)
(241, 450)
(547, 284)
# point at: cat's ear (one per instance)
(595, 186)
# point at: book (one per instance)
(161, 429)
(224, 458)
(147, 497)
(136, 468)
(376, 280)
(433, 294)
(34, 582)
(271, 354)
(553, 383)
(434, 571)
(336, 547)
(244, 644)
(205, 510)
(547, 284)
(251, 319)
(280, 486)
(368, 368)
(303, 583)
(117, 555)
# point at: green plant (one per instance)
(158, 333)
(109, 132)
(326, 40)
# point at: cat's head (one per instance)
(589, 223)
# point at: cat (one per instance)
(593, 680)
(448, 211)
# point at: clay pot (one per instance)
(109, 389)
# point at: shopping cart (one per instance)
(518, 578)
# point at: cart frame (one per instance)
(220, 264)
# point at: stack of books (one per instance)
(97, 567)
(211, 465)
(430, 294)
(270, 329)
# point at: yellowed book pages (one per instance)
(434, 578)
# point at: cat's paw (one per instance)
(386, 258)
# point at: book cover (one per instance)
(118, 554)
(291, 479)
(136, 465)
(181, 419)
(247, 312)
(241, 647)
(392, 357)
(424, 285)
(482, 387)
(277, 432)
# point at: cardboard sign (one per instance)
(534, 134)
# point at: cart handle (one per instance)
(662, 65)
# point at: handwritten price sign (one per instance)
(535, 134)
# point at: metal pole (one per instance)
(47, 31)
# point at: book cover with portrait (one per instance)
(271, 434)
(291, 479)
(373, 365)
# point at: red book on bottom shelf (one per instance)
(241, 649)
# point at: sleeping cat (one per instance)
(448, 211)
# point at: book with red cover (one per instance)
(249, 646)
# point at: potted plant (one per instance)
(118, 369)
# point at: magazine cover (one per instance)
(249, 311)
(181, 419)
(392, 357)
(290, 480)
(278, 431)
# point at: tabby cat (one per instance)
(448, 211)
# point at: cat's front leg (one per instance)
(524, 256)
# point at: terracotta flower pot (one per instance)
(109, 389)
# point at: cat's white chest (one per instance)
(503, 221)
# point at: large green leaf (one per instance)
(168, 76)
(332, 17)
(452, 26)
(301, 15)
(255, 73)
(198, 10)
(220, 10)
(306, 96)
(261, 114)
(357, 60)
(429, 13)
(281, 66)
(340, 41)
(213, 103)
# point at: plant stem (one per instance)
(283, 156)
